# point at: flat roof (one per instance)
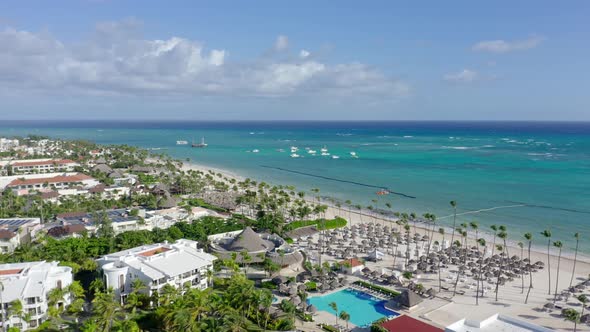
(43, 162)
(495, 323)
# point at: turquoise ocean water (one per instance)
(528, 176)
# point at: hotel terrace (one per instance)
(177, 264)
(30, 283)
(16, 231)
(42, 166)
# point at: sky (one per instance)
(300, 60)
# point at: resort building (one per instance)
(178, 264)
(258, 246)
(352, 266)
(23, 184)
(497, 322)
(16, 231)
(121, 219)
(30, 283)
(42, 166)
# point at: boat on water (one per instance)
(255, 150)
(335, 157)
(294, 149)
(181, 142)
(324, 149)
(200, 145)
(311, 151)
(325, 153)
(294, 155)
(353, 154)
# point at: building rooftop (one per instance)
(43, 162)
(21, 280)
(495, 323)
(116, 216)
(405, 323)
(162, 259)
(354, 262)
(9, 227)
(54, 179)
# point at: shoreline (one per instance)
(332, 211)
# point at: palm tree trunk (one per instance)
(521, 273)
(575, 259)
(530, 277)
(557, 277)
(549, 265)
(454, 223)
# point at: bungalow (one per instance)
(352, 266)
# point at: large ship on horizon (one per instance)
(200, 145)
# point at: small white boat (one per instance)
(324, 149)
(353, 154)
(181, 142)
(294, 155)
(335, 157)
(255, 151)
(281, 150)
(325, 154)
(311, 151)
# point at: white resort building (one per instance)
(30, 283)
(15, 231)
(495, 323)
(42, 166)
(22, 184)
(177, 264)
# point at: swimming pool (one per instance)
(362, 307)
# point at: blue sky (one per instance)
(346, 60)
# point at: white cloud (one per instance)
(464, 76)
(502, 46)
(282, 43)
(117, 60)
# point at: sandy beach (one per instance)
(443, 311)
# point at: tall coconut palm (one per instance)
(345, 316)
(106, 309)
(558, 245)
(475, 227)
(481, 242)
(454, 205)
(571, 315)
(334, 307)
(547, 234)
(529, 238)
(495, 229)
(441, 231)
(577, 236)
(521, 246)
(500, 248)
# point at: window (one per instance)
(59, 285)
(122, 282)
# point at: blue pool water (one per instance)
(362, 308)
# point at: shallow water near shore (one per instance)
(527, 176)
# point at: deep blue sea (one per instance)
(528, 176)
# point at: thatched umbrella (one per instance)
(312, 309)
(295, 300)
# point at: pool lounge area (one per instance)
(363, 308)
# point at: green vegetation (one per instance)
(268, 285)
(311, 286)
(383, 290)
(329, 328)
(201, 203)
(320, 223)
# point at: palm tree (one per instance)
(577, 236)
(345, 316)
(500, 248)
(106, 309)
(558, 245)
(481, 242)
(495, 229)
(334, 307)
(529, 238)
(571, 315)
(547, 233)
(454, 205)
(521, 246)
